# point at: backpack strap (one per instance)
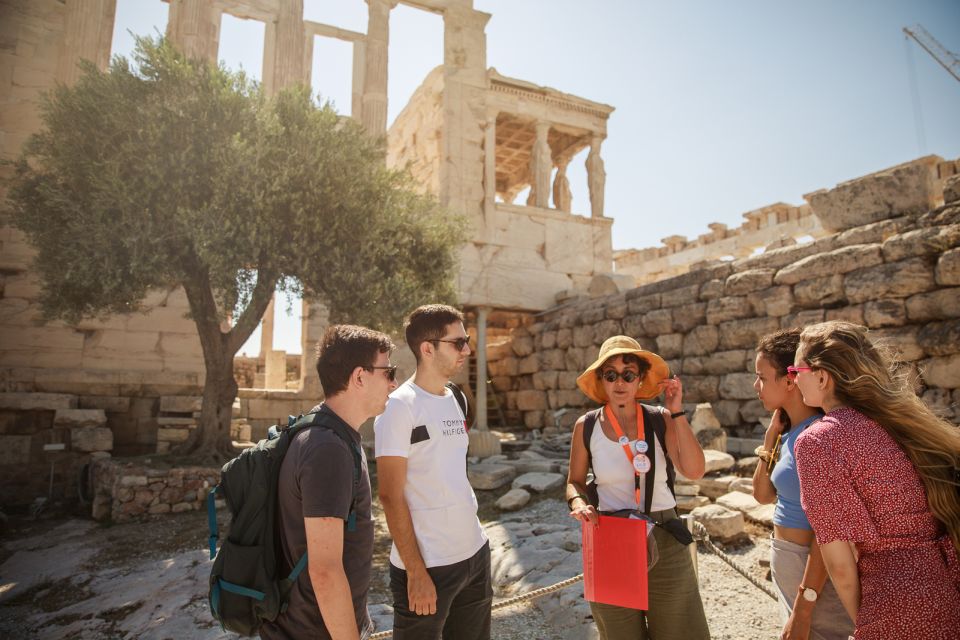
(654, 416)
(461, 400)
(589, 423)
(316, 419)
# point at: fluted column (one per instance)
(540, 166)
(194, 28)
(88, 32)
(284, 48)
(374, 105)
(596, 177)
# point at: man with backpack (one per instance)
(440, 560)
(323, 511)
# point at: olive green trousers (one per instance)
(675, 609)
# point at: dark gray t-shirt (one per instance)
(316, 481)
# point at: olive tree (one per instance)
(165, 171)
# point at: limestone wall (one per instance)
(531, 255)
(414, 139)
(133, 490)
(768, 227)
(900, 276)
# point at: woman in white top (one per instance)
(630, 441)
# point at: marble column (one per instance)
(481, 390)
(596, 177)
(194, 28)
(483, 443)
(88, 32)
(541, 164)
(266, 327)
(374, 105)
(314, 320)
(284, 48)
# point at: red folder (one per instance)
(615, 562)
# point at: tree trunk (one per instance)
(211, 440)
(219, 393)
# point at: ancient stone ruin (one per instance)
(882, 251)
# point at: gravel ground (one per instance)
(74, 578)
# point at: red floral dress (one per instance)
(857, 485)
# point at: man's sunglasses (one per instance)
(458, 343)
(628, 376)
(391, 371)
(793, 371)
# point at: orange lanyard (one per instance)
(625, 443)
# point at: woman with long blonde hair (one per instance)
(878, 481)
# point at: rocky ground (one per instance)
(75, 579)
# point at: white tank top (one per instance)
(614, 475)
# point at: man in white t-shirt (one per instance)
(440, 560)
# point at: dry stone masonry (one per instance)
(892, 263)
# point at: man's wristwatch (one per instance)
(808, 594)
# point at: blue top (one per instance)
(788, 512)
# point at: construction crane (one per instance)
(947, 59)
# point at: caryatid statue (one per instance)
(596, 177)
(562, 197)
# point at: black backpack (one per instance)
(654, 426)
(246, 588)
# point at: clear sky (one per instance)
(721, 107)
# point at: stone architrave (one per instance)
(596, 177)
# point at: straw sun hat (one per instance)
(592, 386)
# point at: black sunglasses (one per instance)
(390, 370)
(628, 376)
(458, 343)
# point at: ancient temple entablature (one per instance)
(537, 131)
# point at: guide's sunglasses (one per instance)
(391, 371)
(793, 372)
(458, 343)
(628, 376)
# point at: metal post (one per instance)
(688, 521)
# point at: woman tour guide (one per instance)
(634, 450)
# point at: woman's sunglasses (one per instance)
(628, 376)
(793, 371)
(391, 371)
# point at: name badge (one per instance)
(641, 463)
(641, 446)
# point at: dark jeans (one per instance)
(464, 596)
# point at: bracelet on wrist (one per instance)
(678, 414)
(579, 495)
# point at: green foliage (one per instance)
(172, 171)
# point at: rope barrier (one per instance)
(700, 534)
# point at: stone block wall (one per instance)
(126, 491)
(414, 139)
(899, 276)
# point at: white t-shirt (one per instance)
(442, 504)
(614, 475)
